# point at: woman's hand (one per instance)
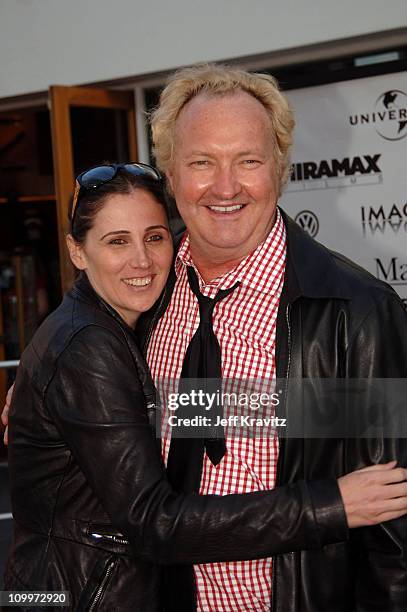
(374, 494)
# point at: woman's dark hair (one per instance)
(92, 200)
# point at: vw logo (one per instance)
(308, 221)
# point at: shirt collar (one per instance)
(254, 271)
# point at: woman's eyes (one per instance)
(154, 238)
(121, 241)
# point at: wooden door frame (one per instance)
(2, 358)
(62, 98)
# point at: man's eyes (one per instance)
(206, 162)
(200, 162)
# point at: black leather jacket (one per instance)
(93, 511)
(335, 320)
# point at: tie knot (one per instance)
(206, 304)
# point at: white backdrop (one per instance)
(349, 185)
(66, 42)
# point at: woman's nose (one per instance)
(140, 257)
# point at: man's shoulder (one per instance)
(360, 280)
(322, 272)
(365, 304)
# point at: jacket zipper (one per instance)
(102, 586)
(110, 537)
(287, 316)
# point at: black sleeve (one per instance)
(96, 401)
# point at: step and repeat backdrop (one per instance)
(348, 187)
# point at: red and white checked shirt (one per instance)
(245, 325)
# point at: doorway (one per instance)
(42, 149)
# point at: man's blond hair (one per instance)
(218, 79)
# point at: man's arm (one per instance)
(379, 350)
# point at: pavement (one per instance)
(5, 518)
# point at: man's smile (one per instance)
(231, 208)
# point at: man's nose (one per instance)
(140, 256)
(226, 184)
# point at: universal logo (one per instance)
(334, 173)
(389, 116)
(308, 221)
(378, 219)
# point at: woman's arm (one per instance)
(96, 401)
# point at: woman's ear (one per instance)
(76, 253)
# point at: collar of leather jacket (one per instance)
(83, 291)
(311, 269)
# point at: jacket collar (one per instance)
(311, 269)
(83, 291)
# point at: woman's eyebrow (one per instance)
(147, 229)
(153, 227)
(115, 232)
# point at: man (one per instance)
(222, 137)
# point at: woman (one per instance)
(94, 513)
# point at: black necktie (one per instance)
(185, 459)
(202, 361)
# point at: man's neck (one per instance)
(213, 267)
(210, 271)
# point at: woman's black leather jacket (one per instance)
(93, 511)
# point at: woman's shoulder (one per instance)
(75, 317)
(79, 331)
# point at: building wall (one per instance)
(45, 42)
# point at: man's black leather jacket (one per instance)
(93, 511)
(335, 321)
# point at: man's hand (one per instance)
(374, 494)
(4, 414)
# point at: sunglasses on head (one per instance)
(99, 175)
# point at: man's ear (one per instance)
(76, 253)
